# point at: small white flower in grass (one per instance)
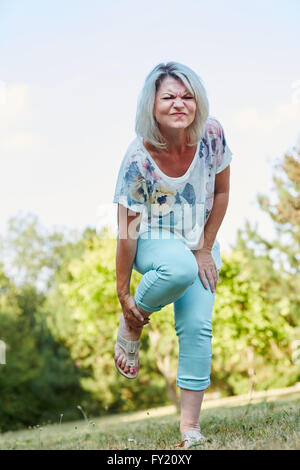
(83, 413)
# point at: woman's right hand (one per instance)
(132, 315)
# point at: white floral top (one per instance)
(174, 206)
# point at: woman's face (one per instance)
(174, 105)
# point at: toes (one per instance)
(121, 361)
(118, 358)
(117, 353)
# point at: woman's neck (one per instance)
(176, 140)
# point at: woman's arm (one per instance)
(207, 267)
(126, 250)
(221, 198)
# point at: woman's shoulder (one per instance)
(134, 150)
(134, 160)
(132, 147)
(213, 126)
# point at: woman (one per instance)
(172, 194)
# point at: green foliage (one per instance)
(285, 215)
(35, 253)
(273, 267)
(39, 379)
(252, 332)
(89, 330)
(285, 212)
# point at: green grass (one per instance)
(266, 425)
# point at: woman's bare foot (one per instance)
(131, 335)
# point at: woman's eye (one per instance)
(171, 98)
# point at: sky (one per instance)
(70, 75)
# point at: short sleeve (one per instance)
(131, 188)
(223, 153)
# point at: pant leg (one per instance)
(168, 269)
(193, 325)
(171, 275)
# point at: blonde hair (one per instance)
(146, 125)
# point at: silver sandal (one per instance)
(131, 349)
(191, 438)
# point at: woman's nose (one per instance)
(178, 101)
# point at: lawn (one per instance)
(265, 425)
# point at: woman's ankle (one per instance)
(127, 331)
(188, 427)
(190, 404)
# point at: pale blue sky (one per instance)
(70, 74)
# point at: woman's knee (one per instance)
(183, 270)
(191, 328)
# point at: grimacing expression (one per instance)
(174, 105)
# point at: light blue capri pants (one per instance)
(170, 274)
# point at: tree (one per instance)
(285, 214)
(39, 380)
(33, 253)
(251, 329)
(270, 292)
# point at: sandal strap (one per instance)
(130, 348)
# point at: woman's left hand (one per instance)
(207, 268)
